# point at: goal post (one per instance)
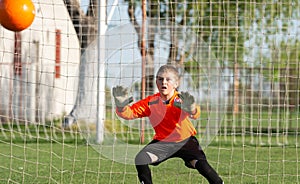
(102, 26)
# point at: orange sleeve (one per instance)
(137, 110)
(126, 113)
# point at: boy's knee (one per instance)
(143, 158)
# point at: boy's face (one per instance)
(166, 83)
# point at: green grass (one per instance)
(47, 154)
(76, 162)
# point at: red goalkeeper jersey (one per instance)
(171, 124)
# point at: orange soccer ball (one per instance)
(16, 15)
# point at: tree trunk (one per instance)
(84, 24)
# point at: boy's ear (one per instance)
(176, 84)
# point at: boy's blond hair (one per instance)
(169, 68)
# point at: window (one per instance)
(57, 53)
(17, 54)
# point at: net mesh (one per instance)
(240, 59)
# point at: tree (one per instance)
(84, 24)
(283, 69)
(274, 48)
(224, 26)
(224, 36)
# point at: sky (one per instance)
(84, 4)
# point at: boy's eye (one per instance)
(167, 79)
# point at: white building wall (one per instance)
(37, 95)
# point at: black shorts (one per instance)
(156, 152)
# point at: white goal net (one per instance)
(240, 59)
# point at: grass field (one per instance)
(47, 154)
(72, 161)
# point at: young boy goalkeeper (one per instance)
(169, 112)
